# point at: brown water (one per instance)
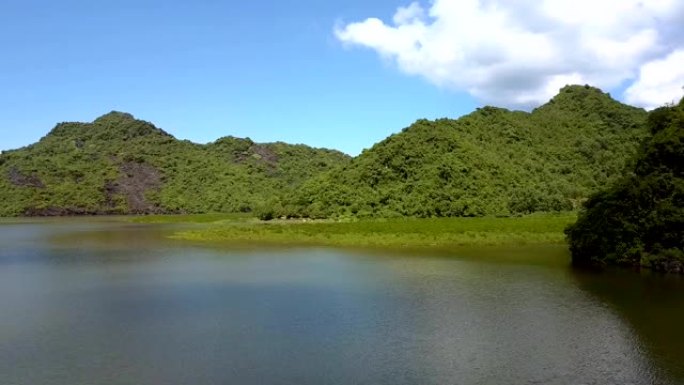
(106, 302)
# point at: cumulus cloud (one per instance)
(660, 81)
(518, 53)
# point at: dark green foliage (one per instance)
(120, 165)
(491, 162)
(640, 219)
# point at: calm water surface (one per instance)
(106, 302)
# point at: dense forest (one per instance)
(490, 162)
(120, 165)
(639, 220)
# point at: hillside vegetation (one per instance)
(639, 220)
(491, 162)
(120, 165)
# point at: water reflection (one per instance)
(114, 303)
(652, 304)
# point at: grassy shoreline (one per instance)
(191, 218)
(386, 233)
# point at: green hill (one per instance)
(120, 165)
(639, 221)
(491, 162)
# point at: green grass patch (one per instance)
(403, 233)
(192, 218)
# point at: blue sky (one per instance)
(268, 70)
(337, 74)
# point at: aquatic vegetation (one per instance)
(192, 218)
(397, 232)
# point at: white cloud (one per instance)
(660, 81)
(406, 15)
(518, 53)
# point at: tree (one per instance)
(639, 221)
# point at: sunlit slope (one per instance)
(121, 165)
(490, 162)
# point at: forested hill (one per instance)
(639, 221)
(491, 162)
(120, 165)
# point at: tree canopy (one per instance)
(639, 220)
(120, 165)
(490, 162)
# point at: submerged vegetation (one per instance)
(639, 221)
(393, 233)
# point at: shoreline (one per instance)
(403, 233)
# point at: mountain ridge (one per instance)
(121, 165)
(490, 162)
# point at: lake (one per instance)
(103, 301)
